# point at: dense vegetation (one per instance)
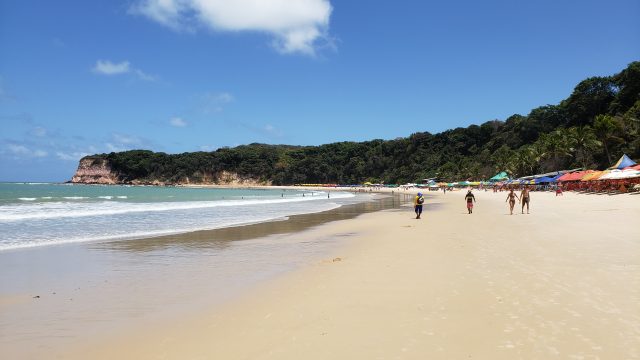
(591, 128)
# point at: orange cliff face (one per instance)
(94, 171)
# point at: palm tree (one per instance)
(502, 158)
(584, 143)
(557, 148)
(525, 161)
(606, 129)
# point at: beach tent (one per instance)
(564, 177)
(574, 176)
(621, 174)
(635, 167)
(545, 179)
(594, 175)
(499, 177)
(623, 162)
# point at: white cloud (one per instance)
(296, 26)
(21, 151)
(271, 130)
(214, 102)
(114, 148)
(177, 122)
(122, 142)
(71, 156)
(125, 139)
(106, 67)
(144, 76)
(18, 149)
(40, 153)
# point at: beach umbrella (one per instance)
(500, 176)
(623, 162)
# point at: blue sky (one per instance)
(83, 77)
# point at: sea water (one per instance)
(40, 214)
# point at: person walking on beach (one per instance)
(417, 205)
(470, 199)
(524, 198)
(511, 197)
(559, 190)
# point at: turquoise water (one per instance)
(39, 214)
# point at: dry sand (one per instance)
(562, 282)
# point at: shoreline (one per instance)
(261, 217)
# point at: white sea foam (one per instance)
(57, 210)
(56, 216)
(77, 230)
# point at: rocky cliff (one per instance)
(94, 171)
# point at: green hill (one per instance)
(591, 128)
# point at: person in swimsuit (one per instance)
(511, 197)
(525, 198)
(417, 205)
(470, 199)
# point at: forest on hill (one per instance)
(598, 122)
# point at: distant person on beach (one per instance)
(511, 197)
(559, 190)
(417, 205)
(470, 199)
(525, 198)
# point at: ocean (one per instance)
(41, 214)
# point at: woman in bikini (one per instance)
(524, 198)
(511, 197)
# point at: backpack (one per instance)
(420, 200)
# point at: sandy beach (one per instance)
(561, 282)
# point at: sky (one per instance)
(84, 77)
